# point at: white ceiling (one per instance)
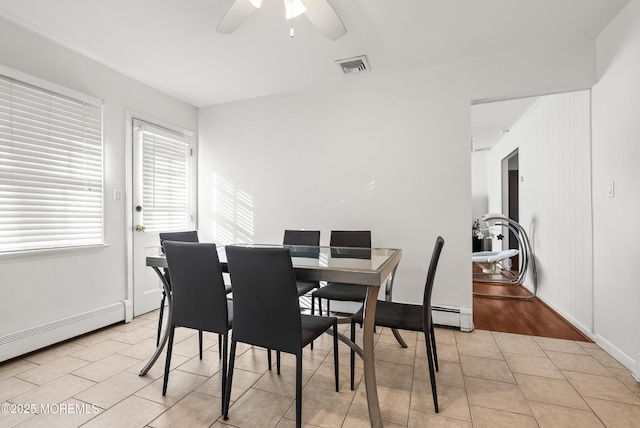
(491, 121)
(172, 45)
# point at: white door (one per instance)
(162, 197)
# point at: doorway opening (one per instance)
(511, 203)
(519, 148)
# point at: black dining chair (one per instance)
(410, 317)
(199, 297)
(267, 311)
(338, 291)
(187, 236)
(304, 238)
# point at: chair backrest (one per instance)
(266, 311)
(197, 286)
(351, 238)
(188, 236)
(302, 237)
(428, 288)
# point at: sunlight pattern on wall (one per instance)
(233, 214)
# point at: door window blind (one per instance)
(51, 169)
(165, 178)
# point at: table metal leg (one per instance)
(369, 363)
(388, 296)
(165, 334)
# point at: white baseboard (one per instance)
(583, 329)
(31, 339)
(624, 359)
(128, 310)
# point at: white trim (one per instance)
(635, 372)
(50, 86)
(616, 353)
(60, 251)
(583, 329)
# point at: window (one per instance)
(51, 186)
(166, 161)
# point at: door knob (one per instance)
(139, 228)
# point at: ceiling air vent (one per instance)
(357, 64)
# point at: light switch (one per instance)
(117, 195)
(611, 189)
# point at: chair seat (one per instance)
(403, 316)
(342, 292)
(313, 326)
(305, 287)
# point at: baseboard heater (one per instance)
(31, 339)
(453, 316)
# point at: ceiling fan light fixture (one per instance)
(293, 8)
(320, 13)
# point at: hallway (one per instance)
(521, 316)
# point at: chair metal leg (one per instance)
(313, 310)
(219, 345)
(200, 342)
(278, 362)
(224, 368)
(226, 399)
(269, 358)
(336, 366)
(433, 345)
(299, 390)
(432, 374)
(167, 364)
(353, 354)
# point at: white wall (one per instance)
(386, 153)
(616, 157)
(315, 160)
(45, 288)
(554, 152)
(479, 189)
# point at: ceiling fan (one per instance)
(320, 13)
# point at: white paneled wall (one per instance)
(554, 146)
(616, 152)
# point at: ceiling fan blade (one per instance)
(324, 18)
(237, 13)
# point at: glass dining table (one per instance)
(371, 268)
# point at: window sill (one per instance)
(51, 252)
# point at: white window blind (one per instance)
(165, 176)
(51, 186)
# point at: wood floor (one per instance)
(521, 316)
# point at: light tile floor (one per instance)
(486, 379)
